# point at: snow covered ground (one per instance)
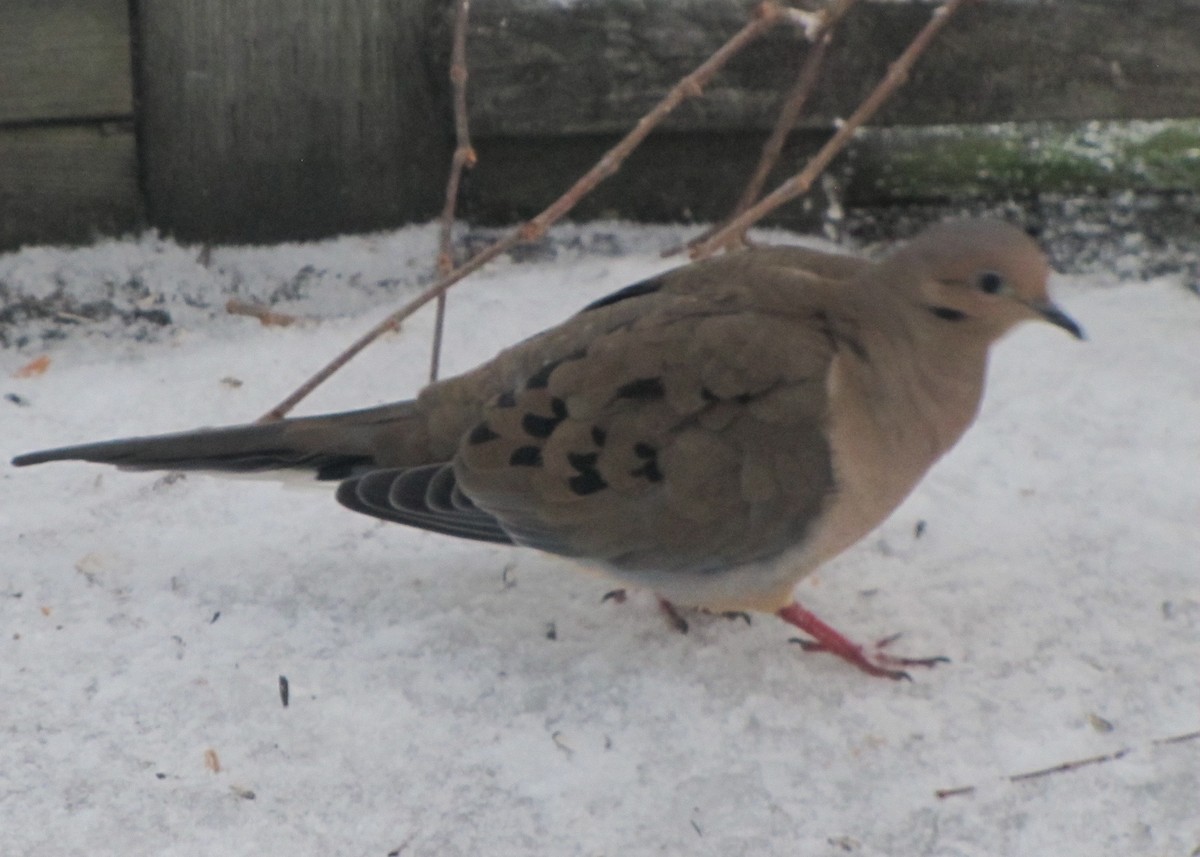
(451, 698)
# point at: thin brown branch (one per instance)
(1073, 765)
(797, 97)
(789, 114)
(392, 322)
(942, 794)
(464, 158)
(766, 15)
(798, 184)
(1062, 768)
(801, 90)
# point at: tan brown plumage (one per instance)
(714, 433)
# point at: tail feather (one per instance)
(334, 447)
(400, 495)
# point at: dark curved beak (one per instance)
(1051, 313)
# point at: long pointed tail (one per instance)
(334, 446)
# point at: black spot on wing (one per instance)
(649, 470)
(637, 290)
(482, 433)
(536, 425)
(526, 456)
(642, 389)
(599, 436)
(588, 480)
(945, 313)
(507, 399)
(540, 379)
(582, 461)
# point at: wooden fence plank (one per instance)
(894, 165)
(269, 119)
(64, 59)
(696, 176)
(67, 184)
(264, 120)
(539, 67)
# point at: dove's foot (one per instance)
(676, 621)
(616, 596)
(828, 639)
(673, 617)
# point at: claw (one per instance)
(677, 622)
(807, 645)
(617, 596)
(830, 640)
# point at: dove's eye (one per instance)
(990, 282)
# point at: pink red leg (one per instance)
(829, 639)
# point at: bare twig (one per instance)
(1072, 765)
(789, 114)
(896, 75)
(464, 158)
(1062, 768)
(766, 16)
(942, 794)
(806, 81)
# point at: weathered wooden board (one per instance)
(553, 85)
(540, 67)
(671, 177)
(895, 165)
(68, 164)
(64, 60)
(265, 120)
(67, 184)
(695, 176)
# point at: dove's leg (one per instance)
(669, 610)
(617, 596)
(828, 639)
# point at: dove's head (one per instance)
(982, 276)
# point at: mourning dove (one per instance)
(713, 433)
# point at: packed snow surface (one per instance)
(453, 698)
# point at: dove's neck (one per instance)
(895, 406)
(912, 393)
